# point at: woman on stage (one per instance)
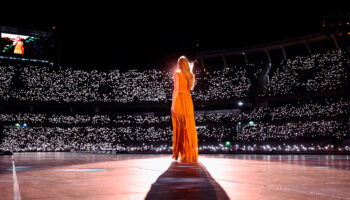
(185, 141)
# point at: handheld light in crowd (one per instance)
(251, 123)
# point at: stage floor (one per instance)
(60, 175)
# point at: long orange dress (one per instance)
(185, 139)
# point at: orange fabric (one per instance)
(19, 48)
(185, 140)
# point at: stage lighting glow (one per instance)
(24, 125)
(227, 143)
(191, 66)
(240, 103)
(17, 125)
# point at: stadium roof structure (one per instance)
(266, 47)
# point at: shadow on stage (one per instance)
(186, 181)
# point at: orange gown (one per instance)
(185, 139)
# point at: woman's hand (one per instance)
(172, 109)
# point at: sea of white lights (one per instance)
(310, 120)
(293, 131)
(45, 132)
(327, 107)
(310, 109)
(319, 72)
(29, 82)
(221, 148)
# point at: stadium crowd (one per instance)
(43, 132)
(308, 109)
(44, 84)
(304, 74)
(91, 138)
(307, 124)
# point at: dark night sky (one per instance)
(154, 35)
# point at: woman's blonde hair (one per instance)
(184, 66)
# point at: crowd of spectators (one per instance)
(44, 132)
(27, 82)
(276, 126)
(91, 138)
(320, 72)
(308, 109)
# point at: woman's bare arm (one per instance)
(176, 87)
